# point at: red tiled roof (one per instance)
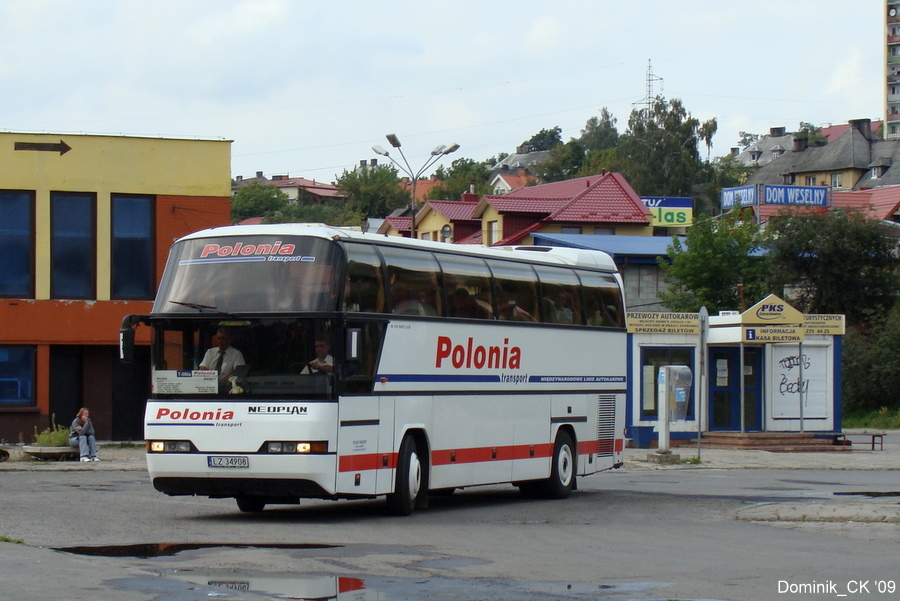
(252, 221)
(401, 224)
(605, 198)
(423, 187)
(453, 209)
(876, 203)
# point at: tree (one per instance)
(373, 191)
(599, 133)
(256, 200)
(659, 151)
(747, 140)
(545, 139)
(721, 172)
(811, 134)
(715, 266)
(459, 178)
(834, 263)
(869, 362)
(564, 162)
(330, 214)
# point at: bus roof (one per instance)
(551, 255)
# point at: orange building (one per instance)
(87, 222)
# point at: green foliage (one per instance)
(722, 172)
(372, 191)
(332, 215)
(715, 258)
(600, 133)
(884, 418)
(564, 163)
(545, 139)
(457, 180)
(833, 263)
(747, 140)
(870, 358)
(811, 134)
(54, 436)
(6, 539)
(659, 151)
(256, 200)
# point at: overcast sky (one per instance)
(306, 88)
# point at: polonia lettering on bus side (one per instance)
(477, 356)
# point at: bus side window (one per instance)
(413, 281)
(364, 288)
(560, 298)
(467, 286)
(603, 299)
(516, 291)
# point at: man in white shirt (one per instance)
(323, 363)
(223, 358)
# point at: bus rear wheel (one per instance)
(408, 479)
(562, 470)
(251, 504)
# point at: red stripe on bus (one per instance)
(376, 461)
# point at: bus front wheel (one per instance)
(562, 470)
(408, 479)
(250, 504)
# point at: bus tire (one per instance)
(562, 469)
(251, 504)
(408, 480)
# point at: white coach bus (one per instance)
(359, 365)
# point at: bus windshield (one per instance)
(257, 274)
(260, 357)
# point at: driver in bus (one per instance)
(224, 358)
(323, 363)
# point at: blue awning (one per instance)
(634, 249)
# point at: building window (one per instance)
(493, 232)
(570, 229)
(17, 244)
(16, 376)
(651, 360)
(810, 180)
(72, 234)
(837, 180)
(132, 261)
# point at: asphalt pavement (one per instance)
(882, 506)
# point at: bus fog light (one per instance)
(157, 446)
(275, 447)
(304, 447)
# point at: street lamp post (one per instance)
(436, 154)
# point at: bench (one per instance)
(874, 437)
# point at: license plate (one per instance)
(228, 461)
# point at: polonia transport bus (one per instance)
(364, 365)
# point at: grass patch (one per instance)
(6, 539)
(692, 460)
(886, 418)
(54, 436)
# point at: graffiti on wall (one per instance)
(797, 376)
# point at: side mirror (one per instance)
(126, 344)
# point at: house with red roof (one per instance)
(506, 181)
(298, 190)
(597, 204)
(450, 221)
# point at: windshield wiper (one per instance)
(196, 306)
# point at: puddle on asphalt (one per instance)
(868, 493)
(147, 550)
(374, 588)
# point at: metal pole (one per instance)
(800, 384)
(741, 376)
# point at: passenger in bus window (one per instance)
(511, 311)
(323, 363)
(463, 304)
(223, 358)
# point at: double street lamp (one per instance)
(436, 154)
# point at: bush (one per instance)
(870, 360)
(54, 436)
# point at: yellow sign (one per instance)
(824, 325)
(663, 323)
(771, 311)
(772, 334)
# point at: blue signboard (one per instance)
(745, 196)
(668, 202)
(807, 196)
